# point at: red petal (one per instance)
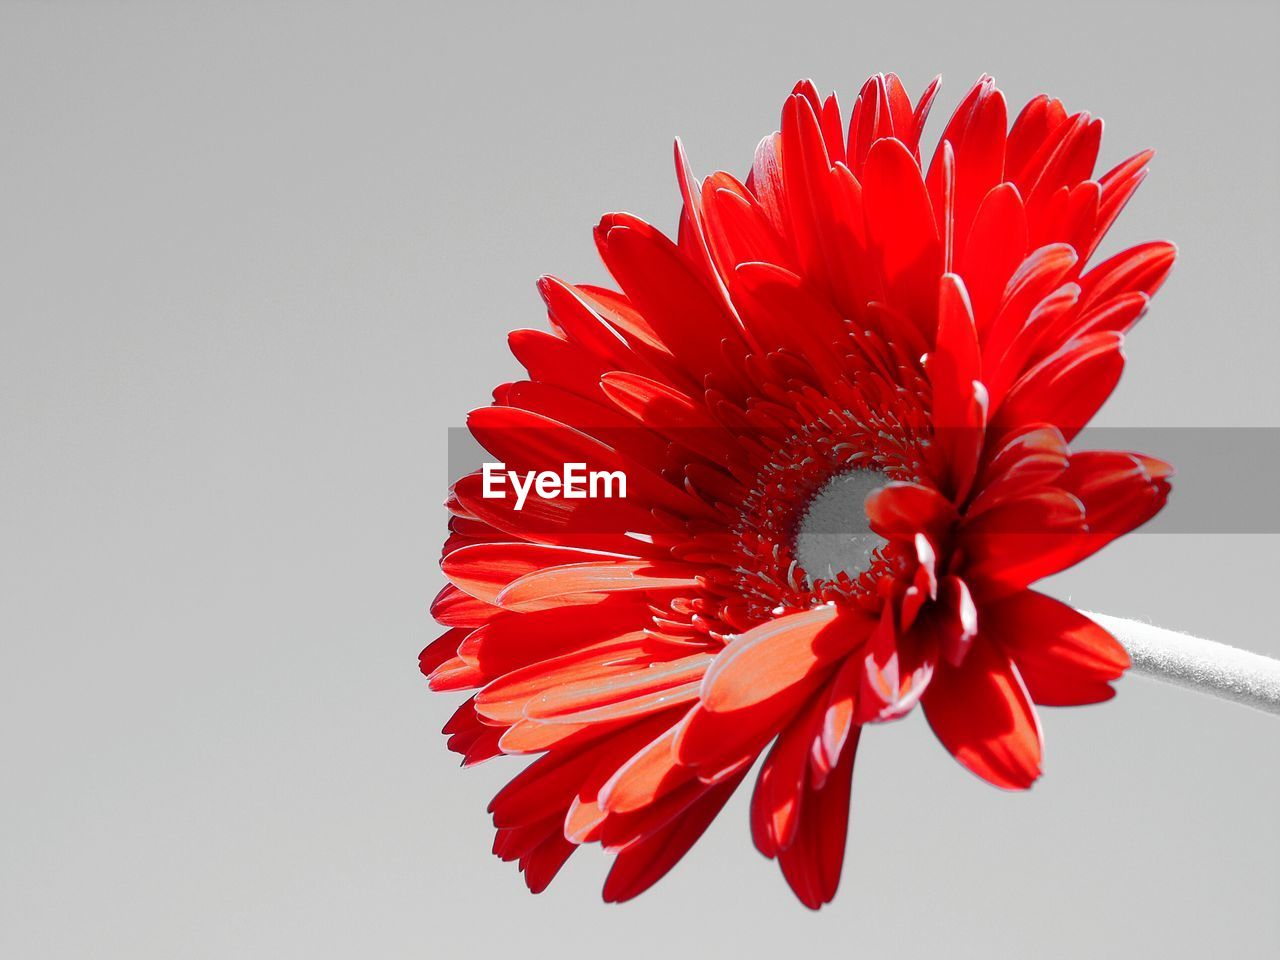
(582, 323)
(453, 608)
(760, 679)
(814, 860)
(587, 813)
(542, 864)
(1067, 388)
(921, 114)
(895, 672)
(510, 641)
(957, 333)
(1042, 272)
(983, 716)
(650, 774)
(954, 368)
(554, 360)
(691, 192)
(441, 649)
(675, 415)
(1031, 457)
(643, 864)
(1037, 121)
(996, 245)
(506, 699)
(1012, 544)
(977, 135)
(901, 224)
(1063, 656)
(766, 660)
(775, 802)
(837, 719)
(783, 312)
(558, 585)
(1142, 268)
(543, 789)
(650, 687)
(663, 287)
(484, 570)
(899, 510)
(956, 621)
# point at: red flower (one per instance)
(848, 326)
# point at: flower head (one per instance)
(843, 399)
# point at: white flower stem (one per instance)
(1197, 664)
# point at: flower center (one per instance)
(801, 537)
(834, 535)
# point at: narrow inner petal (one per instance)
(834, 536)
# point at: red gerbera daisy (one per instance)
(842, 400)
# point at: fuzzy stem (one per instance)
(1196, 664)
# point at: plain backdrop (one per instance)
(258, 257)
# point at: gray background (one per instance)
(257, 259)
